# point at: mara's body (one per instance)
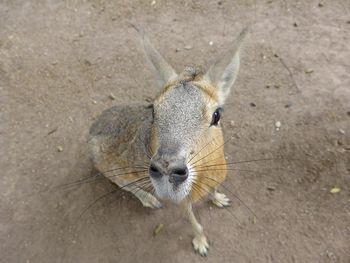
(174, 145)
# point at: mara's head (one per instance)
(186, 133)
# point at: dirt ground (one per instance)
(61, 60)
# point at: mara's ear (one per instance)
(163, 71)
(224, 71)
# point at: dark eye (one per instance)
(153, 113)
(216, 117)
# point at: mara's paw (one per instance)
(150, 201)
(200, 245)
(221, 200)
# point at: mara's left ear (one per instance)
(162, 69)
(224, 71)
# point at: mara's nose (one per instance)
(176, 174)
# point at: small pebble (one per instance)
(335, 142)
(341, 131)
(252, 104)
(188, 47)
(295, 24)
(271, 188)
(52, 131)
(59, 148)
(94, 102)
(254, 220)
(288, 105)
(335, 190)
(211, 43)
(87, 62)
(278, 124)
(309, 71)
(232, 123)
(149, 99)
(111, 96)
(153, 3)
(158, 229)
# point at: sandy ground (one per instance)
(60, 61)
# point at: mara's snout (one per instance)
(170, 177)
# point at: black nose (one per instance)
(154, 172)
(178, 175)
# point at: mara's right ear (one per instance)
(223, 73)
(163, 71)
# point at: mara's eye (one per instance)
(216, 116)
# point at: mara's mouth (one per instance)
(166, 188)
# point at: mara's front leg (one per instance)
(199, 242)
(146, 198)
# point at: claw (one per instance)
(221, 200)
(200, 245)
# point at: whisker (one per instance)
(145, 186)
(241, 170)
(96, 177)
(247, 161)
(230, 169)
(194, 184)
(235, 195)
(147, 150)
(105, 195)
(121, 168)
(138, 186)
(207, 162)
(201, 150)
(209, 154)
(226, 141)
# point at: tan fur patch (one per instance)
(209, 165)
